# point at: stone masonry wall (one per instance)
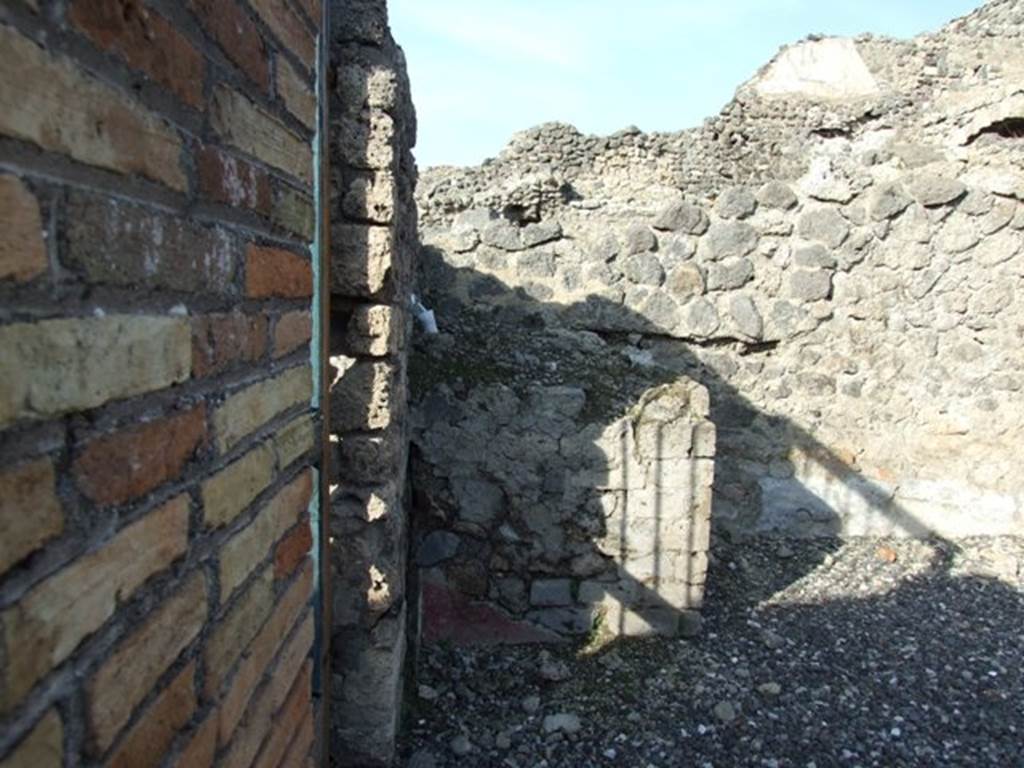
(847, 287)
(559, 488)
(373, 248)
(157, 453)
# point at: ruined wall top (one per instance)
(939, 96)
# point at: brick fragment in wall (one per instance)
(147, 742)
(275, 272)
(293, 212)
(292, 549)
(240, 554)
(131, 671)
(368, 561)
(297, 92)
(294, 440)
(30, 510)
(46, 625)
(365, 396)
(131, 462)
(367, 141)
(270, 698)
(366, 700)
(57, 366)
(236, 630)
(288, 719)
(289, 29)
(237, 35)
(113, 242)
(369, 197)
(199, 750)
(365, 82)
(247, 410)
(47, 100)
(361, 259)
(301, 750)
(248, 127)
(364, 459)
(261, 652)
(226, 494)
(22, 247)
(42, 748)
(229, 180)
(223, 342)
(146, 41)
(292, 331)
(375, 330)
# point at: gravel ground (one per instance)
(864, 653)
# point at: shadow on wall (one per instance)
(543, 505)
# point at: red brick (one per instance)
(288, 720)
(276, 272)
(125, 465)
(312, 9)
(228, 180)
(146, 41)
(293, 330)
(288, 28)
(148, 740)
(22, 249)
(200, 749)
(30, 510)
(220, 342)
(237, 35)
(292, 549)
(115, 242)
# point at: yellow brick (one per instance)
(42, 748)
(130, 673)
(199, 751)
(231, 490)
(258, 717)
(247, 127)
(48, 623)
(236, 630)
(51, 102)
(149, 739)
(254, 406)
(57, 366)
(22, 249)
(294, 440)
(251, 545)
(261, 652)
(297, 94)
(29, 509)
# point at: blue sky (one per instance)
(483, 69)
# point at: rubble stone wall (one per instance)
(373, 251)
(158, 463)
(838, 258)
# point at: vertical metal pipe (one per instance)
(324, 299)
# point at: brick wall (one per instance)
(374, 243)
(158, 459)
